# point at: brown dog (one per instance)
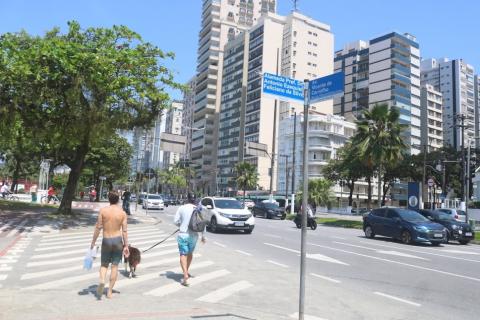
(133, 260)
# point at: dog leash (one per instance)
(156, 244)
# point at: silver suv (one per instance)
(456, 214)
(227, 214)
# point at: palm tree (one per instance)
(319, 193)
(247, 177)
(379, 140)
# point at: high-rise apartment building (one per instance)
(432, 119)
(173, 125)
(476, 82)
(455, 80)
(384, 70)
(327, 133)
(187, 116)
(222, 20)
(295, 46)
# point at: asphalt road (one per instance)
(237, 276)
(351, 277)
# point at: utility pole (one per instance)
(286, 156)
(292, 210)
(274, 137)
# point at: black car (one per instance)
(406, 225)
(268, 210)
(460, 231)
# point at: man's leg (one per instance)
(184, 265)
(101, 284)
(189, 260)
(113, 278)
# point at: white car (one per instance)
(153, 201)
(227, 214)
(456, 214)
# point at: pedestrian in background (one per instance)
(33, 192)
(186, 239)
(126, 196)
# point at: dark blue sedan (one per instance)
(402, 224)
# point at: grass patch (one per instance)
(340, 223)
(477, 236)
(4, 204)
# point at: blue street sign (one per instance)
(413, 202)
(326, 87)
(283, 87)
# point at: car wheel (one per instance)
(299, 225)
(213, 225)
(406, 237)
(464, 242)
(447, 237)
(435, 244)
(369, 232)
(313, 225)
(248, 231)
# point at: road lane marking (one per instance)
(225, 292)
(321, 257)
(174, 287)
(462, 252)
(272, 235)
(219, 244)
(389, 252)
(89, 233)
(341, 238)
(305, 317)
(397, 299)
(87, 240)
(243, 252)
(280, 247)
(424, 252)
(3, 269)
(89, 237)
(3, 276)
(83, 244)
(400, 263)
(325, 278)
(278, 264)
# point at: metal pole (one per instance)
(286, 181)
(463, 155)
(293, 160)
(274, 138)
(467, 195)
(424, 175)
(303, 250)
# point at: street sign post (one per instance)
(309, 92)
(327, 87)
(283, 88)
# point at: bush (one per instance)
(21, 190)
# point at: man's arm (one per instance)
(98, 227)
(178, 218)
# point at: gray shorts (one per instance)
(112, 250)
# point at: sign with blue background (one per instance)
(283, 87)
(413, 200)
(326, 87)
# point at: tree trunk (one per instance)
(244, 192)
(369, 197)
(73, 177)
(351, 187)
(386, 187)
(15, 175)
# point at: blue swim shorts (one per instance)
(186, 244)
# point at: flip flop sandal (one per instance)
(185, 283)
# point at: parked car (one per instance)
(249, 204)
(140, 198)
(406, 225)
(269, 210)
(456, 214)
(361, 211)
(133, 197)
(460, 231)
(153, 201)
(227, 214)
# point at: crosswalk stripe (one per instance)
(62, 282)
(3, 269)
(17, 228)
(4, 260)
(174, 287)
(89, 232)
(83, 245)
(156, 275)
(140, 237)
(9, 224)
(3, 276)
(70, 252)
(90, 235)
(225, 292)
(306, 317)
(80, 258)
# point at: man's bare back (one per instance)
(113, 220)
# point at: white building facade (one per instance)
(432, 118)
(173, 125)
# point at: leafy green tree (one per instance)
(173, 179)
(109, 157)
(247, 177)
(77, 87)
(320, 192)
(379, 140)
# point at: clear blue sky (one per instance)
(443, 28)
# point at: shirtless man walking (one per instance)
(113, 221)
